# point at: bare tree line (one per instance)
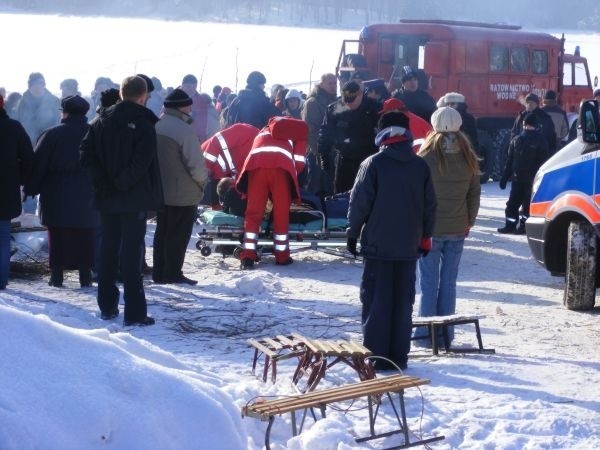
(557, 14)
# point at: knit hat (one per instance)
(393, 104)
(1, 102)
(35, 78)
(149, 83)
(531, 97)
(597, 93)
(350, 91)
(177, 99)
(109, 97)
(255, 79)
(446, 119)
(189, 79)
(531, 120)
(74, 105)
(392, 127)
(393, 119)
(550, 95)
(450, 97)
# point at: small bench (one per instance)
(373, 390)
(435, 324)
(274, 350)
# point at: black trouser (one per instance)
(174, 226)
(387, 293)
(345, 173)
(122, 247)
(519, 197)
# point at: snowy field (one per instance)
(72, 381)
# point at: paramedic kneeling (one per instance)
(271, 172)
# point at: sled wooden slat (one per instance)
(274, 350)
(372, 390)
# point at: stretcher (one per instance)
(309, 229)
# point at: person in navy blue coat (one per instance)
(392, 210)
(66, 195)
(16, 158)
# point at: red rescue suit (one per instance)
(271, 171)
(226, 150)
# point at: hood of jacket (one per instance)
(400, 151)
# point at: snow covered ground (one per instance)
(71, 381)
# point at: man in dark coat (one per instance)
(66, 194)
(16, 159)
(526, 153)
(38, 110)
(544, 122)
(252, 106)
(120, 151)
(347, 135)
(416, 99)
(392, 210)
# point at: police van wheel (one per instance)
(580, 278)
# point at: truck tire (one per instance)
(580, 276)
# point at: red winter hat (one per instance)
(1, 102)
(393, 104)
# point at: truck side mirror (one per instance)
(589, 121)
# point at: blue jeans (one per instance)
(438, 273)
(4, 252)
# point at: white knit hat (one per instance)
(446, 119)
(450, 97)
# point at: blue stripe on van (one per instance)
(575, 177)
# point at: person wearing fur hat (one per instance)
(347, 135)
(66, 194)
(183, 175)
(251, 105)
(558, 116)
(38, 109)
(544, 122)
(526, 153)
(16, 160)
(455, 172)
(392, 211)
(414, 97)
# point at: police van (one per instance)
(564, 223)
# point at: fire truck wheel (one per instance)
(580, 277)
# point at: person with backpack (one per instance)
(251, 105)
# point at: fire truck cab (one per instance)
(493, 66)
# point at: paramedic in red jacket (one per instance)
(271, 172)
(226, 150)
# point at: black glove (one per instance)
(351, 246)
(503, 183)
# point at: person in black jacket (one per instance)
(120, 152)
(544, 122)
(392, 210)
(251, 104)
(16, 159)
(416, 99)
(66, 194)
(347, 135)
(526, 153)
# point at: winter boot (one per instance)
(509, 228)
(521, 227)
(246, 264)
(56, 277)
(85, 277)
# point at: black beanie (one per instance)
(177, 99)
(255, 79)
(530, 119)
(149, 83)
(393, 119)
(74, 105)
(550, 95)
(109, 97)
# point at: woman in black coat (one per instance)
(16, 156)
(66, 195)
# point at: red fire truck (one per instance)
(493, 66)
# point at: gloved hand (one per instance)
(351, 246)
(503, 183)
(425, 246)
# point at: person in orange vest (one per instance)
(271, 172)
(419, 127)
(224, 155)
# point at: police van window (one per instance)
(567, 74)
(539, 61)
(498, 58)
(519, 59)
(580, 75)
